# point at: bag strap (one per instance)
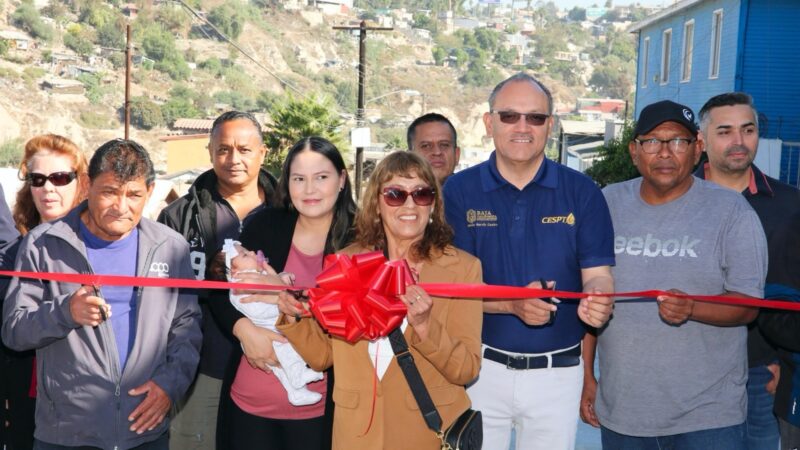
(406, 362)
(414, 379)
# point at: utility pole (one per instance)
(128, 51)
(362, 69)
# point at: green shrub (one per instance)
(145, 114)
(11, 152)
(27, 17)
(229, 18)
(91, 119)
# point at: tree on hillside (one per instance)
(295, 118)
(479, 75)
(505, 56)
(569, 72)
(614, 163)
(97, 13)
(611, 81)
(111, 35)
(159, 45)
(487, 39)
(174, 20)
(145, 114)
(461, 57)
(79, 39)
(425, 22)
(548, 42)
(577, 14)
(55, 9)
(439, 55)
(27, 18)
(229, 18)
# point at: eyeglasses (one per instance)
(423, 196)
(653, 145)
(512, 117)
(56, 178)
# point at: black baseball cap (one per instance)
(657, 113)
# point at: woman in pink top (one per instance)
(314, 218)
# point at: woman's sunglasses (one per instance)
(512, 117)
(56, 178)
(423, 196)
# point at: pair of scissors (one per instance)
(103, 314)
(300, 296)
(551, 300)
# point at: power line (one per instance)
(237, 47)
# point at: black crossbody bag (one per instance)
(466, 433)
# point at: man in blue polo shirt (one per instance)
(530, 219)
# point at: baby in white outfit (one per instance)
(293, 372)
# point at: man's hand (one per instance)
(595, 310)
(150, 413)
(588, 396)
(257, 344)
(772, 385)
(532, 311)
(675, 310)
(84, 307)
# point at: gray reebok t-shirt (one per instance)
(657, 379)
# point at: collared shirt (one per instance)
(775, 204)
(551, 229)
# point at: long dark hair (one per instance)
(345, 208)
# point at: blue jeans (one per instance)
(726, 438)
(162, 443)
(762, 425)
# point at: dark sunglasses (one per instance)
(423, 196)
(512, 117)
(56, 178)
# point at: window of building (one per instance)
(688, 51)
(666, 50)
(645, 60)
(716, 44)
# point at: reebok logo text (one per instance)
(652, 247)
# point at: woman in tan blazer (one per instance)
(402, 213)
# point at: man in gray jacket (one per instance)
(111, 360)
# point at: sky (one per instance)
(568, 4)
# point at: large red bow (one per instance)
(357, 295)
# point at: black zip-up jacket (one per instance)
(194, 216)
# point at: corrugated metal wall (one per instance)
(770, 67)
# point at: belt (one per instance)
(567, 358)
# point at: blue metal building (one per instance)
(700, 48)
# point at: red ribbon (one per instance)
(357, 295)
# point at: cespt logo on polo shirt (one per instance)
(159, 269)
(569, 219)
(481, 218)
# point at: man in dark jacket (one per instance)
(17, 431)
(111, 360)
(729, 133)
(217, 206)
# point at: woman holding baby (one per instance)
(314, 218)
(402, 215)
